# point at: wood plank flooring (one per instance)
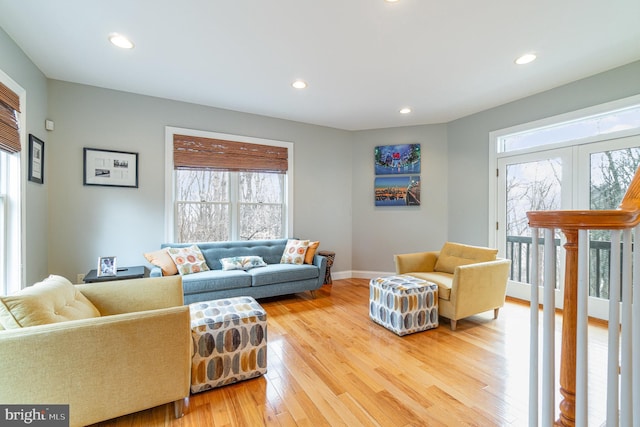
(330, 365)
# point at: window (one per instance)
(227, 187)
(10, 186)
(581, 160)
(627, 118)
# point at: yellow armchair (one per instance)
(135, 355)
(470, 279)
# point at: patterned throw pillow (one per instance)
(294, 252)
(188, 260)
(242, 262)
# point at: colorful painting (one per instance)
(397, 191)
(397, 159)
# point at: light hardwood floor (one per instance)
(330, 365)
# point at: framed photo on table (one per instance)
(107, 266)
(36, 159)
(110, 168)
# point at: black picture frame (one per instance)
(36, 159)
(110, 168)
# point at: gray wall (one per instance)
(468, 142)
(86, 222)
(380, 232)
(16, 65)
(69, 225)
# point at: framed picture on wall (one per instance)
(36, 159)
(110, 168)
(397, 159)
(397, 190)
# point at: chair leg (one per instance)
(495, 312)
(454, 324)
(178, 407)
(314, 294)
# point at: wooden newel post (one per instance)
(569, 332)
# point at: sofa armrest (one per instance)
(320, 262)
(415, 262)
(479, 287)
(155, 272)
(126, 296)
(88, 363)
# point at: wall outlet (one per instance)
(80, 278)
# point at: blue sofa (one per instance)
(273, 280)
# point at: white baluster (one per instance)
(533, 334)
(548, 328)
(635, 330)
(625, 351)
(582, 322)
(614, 336)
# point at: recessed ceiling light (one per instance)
(405, 110)
(391, 1)
(120, 41)
(526, 58)
(299, 84)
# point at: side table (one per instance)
(331, 256)
(123, 273)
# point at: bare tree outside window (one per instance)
(611, 174)
(261, 205)
(531, 186)
(207, 200)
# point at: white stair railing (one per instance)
(623, 368)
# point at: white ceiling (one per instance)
(363, 59)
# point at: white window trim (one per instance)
(168, 179)
(494, 137)
(19, 246)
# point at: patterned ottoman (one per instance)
(229, 342)
(403, 304)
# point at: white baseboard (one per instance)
(351, 274)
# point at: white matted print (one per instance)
(110, 168)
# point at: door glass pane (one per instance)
(611, 173)
(530, 186)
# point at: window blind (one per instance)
(9, 130)
(192, 152)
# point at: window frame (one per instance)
(169, 212)
(495, 153)
(14, 237)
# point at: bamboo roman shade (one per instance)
(192, 152)
(9, 131)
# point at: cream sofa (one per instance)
(134, 355)
(470, 279)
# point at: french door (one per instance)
(587, 176)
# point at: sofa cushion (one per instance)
(242, 262)
(443, 280)
(188, 260)
(453, 255)
(215, 280)
(162, 259)
(281, 273)
(294, 252)
(53, 300)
